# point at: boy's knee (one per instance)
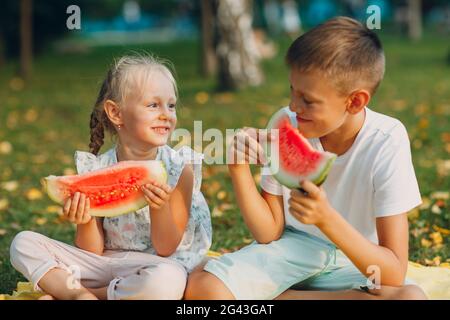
(163, 282)
(203, 285)
(409, 292)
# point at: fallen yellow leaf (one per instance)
(69, 171)
(202, 97)
(425, 243)
(221, 195)
(31, 115)
(5, 147)
(10, 186)
(41, 221)
(33, 194)
(16, 84)
(436, 237)
(4, 203)
(441, 230)
(54, 209)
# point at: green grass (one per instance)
(47, 120)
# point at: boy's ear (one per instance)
(357, 101)
(112, 110)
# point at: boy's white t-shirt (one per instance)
(374, 178)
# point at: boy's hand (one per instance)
(156, 194)
(246, 147)
(76, 209)
(310, 208)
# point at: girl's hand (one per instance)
(246, 147)
(156, 194)
(311, 207)
(76, 209)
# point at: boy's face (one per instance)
(320, 108)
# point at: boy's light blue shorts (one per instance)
(298, 260)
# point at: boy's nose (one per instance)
(295, 107)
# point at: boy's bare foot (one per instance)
(46, 297)
(85, 296)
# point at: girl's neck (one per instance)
(124, 153)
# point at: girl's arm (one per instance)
(89, 235)
(169, 212)
(262, 213)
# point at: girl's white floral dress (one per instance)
(131, 232)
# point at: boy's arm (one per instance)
(389, 258)
(262, 213)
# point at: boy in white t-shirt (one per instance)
(347, 239)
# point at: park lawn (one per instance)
(43, 122)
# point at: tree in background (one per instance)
(238, 56)
(26, 38)
(209, 58)
(415, 19)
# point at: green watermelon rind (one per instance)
(50, 184)
(286, 179)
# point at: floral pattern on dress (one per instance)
(131, 231)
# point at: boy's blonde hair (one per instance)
(123, 78)
(344, 50)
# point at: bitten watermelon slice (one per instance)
(112, 191)
(292, 158)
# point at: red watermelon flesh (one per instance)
(112, 191)
(292, 158)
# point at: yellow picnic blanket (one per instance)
(434, 281)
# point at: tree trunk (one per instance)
(237, 51)
(2, 50)
(209, 59)
(415, 19)
(26, 38)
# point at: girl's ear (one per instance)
(357, 101)
(113, 112)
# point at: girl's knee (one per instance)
(23, 244)
(164, 281)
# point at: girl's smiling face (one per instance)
(149, 118)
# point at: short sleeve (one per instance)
(395, 185)
(195, 159)
(269, 184)
(85, 161)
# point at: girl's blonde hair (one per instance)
(119, 84)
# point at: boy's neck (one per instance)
(127, 153)
(341, 139)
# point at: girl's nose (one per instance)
(165, 113)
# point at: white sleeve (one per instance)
(269, 184)
(195, 159)
(85, 161)
(395, 185)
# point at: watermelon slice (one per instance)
(292, 158)
(112, 191)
